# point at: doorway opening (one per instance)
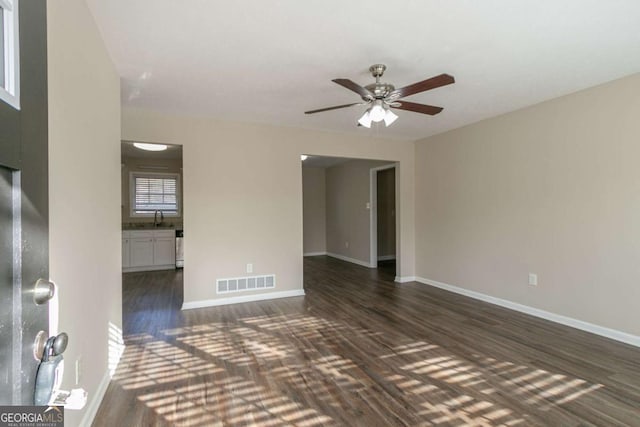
(339, 211)
(383, 217)
(152, 230)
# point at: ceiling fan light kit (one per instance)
(377, 111)
(381, 97)
(376, 114)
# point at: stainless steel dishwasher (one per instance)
(179, 248)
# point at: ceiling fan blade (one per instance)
(331, 108)
(418, 108)
(363, 92)
(432, 83)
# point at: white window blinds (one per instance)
(154, 193)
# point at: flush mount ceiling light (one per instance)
(382, 96)
(149, 147)
(304, 157)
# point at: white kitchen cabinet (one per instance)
(164, 248)
(141, 252)
(164, 251)
(145, 250)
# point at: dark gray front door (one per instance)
(24, 245)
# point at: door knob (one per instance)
(43, 291)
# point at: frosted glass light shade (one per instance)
(365, 120)
(377, 112)
(389, 118)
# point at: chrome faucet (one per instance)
(155, 218)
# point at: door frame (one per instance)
(373, 213)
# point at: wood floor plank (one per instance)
(359, 350)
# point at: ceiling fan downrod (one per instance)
(377, 70)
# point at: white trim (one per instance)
(386, 257)
(351, 260)
(405, 279)
(613, 334)
(246, 298)
(149, 268)
(11, 95)
(314, 253)
(94, 404)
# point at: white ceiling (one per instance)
(268, 62)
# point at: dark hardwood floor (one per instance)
(360, 350)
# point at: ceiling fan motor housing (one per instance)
(378, 89)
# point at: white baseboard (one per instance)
(314, 253)
(94, 403)
(405, 279)
(613, 334)
(245, 298)
(386, 257)
(149, 268)
(351, 260)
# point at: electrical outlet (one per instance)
(533, 279)
(249, 268)
(78, 370)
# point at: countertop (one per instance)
(145, 226)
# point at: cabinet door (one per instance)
(141, 252)
(126, 260)
(164, 251)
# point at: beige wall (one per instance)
(386, 212)
(314, 210)
(132, 164)
(84, 214)
(554, 190)
(243, 193)
(348, 218)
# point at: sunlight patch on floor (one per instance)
(429, 367)
(203, 394)
(220, 371)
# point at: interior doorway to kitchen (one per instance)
(152, 234)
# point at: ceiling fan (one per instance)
(383, 96)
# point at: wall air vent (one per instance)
(249, 283)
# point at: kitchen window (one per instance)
(151, 192)
(9, 53)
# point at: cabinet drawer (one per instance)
(164, 233)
